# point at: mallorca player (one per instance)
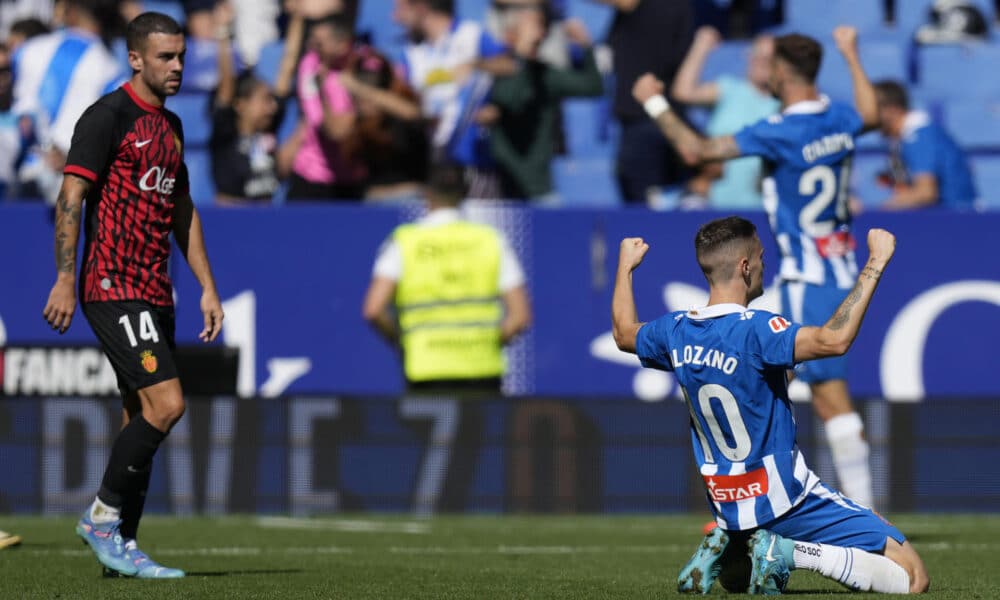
(127, 161)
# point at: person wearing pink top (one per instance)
(320, 169)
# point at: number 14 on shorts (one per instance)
(147, 331)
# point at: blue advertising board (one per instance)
(293, 278)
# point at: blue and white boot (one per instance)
(769, 571)
(703, 569)
(106, 541)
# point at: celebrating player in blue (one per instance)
(732, 364)
(807, 151)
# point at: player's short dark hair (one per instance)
(29, 28)
(717, 235)
(340, 23)
(892, 93)
(803, 53)
(146, 24)
(446, 7)
(446, 183)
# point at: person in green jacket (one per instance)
(524, 106)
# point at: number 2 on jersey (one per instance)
(147, 331)
(741, 438)
(821, 182)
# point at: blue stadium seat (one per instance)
(171, 8)
(199, 164)
(193, 109)
(986, 170)
(585, 182)
(881, 60)
(375, 19)
(818, 19)
(864, 185)
(269, 61)
(959, 71)
(585, 127)
(597, 17)
(974, 123)
(291, 120)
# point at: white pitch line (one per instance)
(238, 551)
(346, 525)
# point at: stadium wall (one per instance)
(293, 278)
(315, 455)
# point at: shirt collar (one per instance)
(914, 120)
(441, 216)
(808, 107)
(715, 310)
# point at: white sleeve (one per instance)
(389, 263)
(511, 274)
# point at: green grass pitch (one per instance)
(357, 557)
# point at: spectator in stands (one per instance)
(321, 169)
(247, 160)
(56, 77)
(23, 30)
(458, 293)
(10, 132)
(12, 11)
(201, 64)
(555, 46)
(736, 102)
(926, 165)
(389, 136)
(646, 36)
(527, 103)
(448, 62)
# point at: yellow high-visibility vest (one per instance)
(448, 301)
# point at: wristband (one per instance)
(656, 106)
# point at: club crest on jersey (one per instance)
(730, 488)
(149, 361)
(155, 180)
(778, 324)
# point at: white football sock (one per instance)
(857, 569)
(102, 513)
(850, 457)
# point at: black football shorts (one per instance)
(138, 339)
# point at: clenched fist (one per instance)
(631, 253)
(646, 87)
(846, 39)
(881, 245)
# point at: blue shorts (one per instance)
(826, 517)
(810, 304)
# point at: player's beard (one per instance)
(165, 87)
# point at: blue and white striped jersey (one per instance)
(807, 152)
(57, 76)
(731, 364)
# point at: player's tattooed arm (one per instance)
(836, 336)
(69, 206)
(693, 148)
(61, 303)
(843, 314)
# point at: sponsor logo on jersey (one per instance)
(778, 324)
(730, 488)
(840, 243)
(155, 180)
(40, 371)
(148, 361)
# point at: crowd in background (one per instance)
(338, 118)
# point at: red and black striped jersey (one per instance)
(133, 153)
